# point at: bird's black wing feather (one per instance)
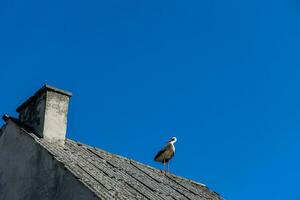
(158, 154)
(161, 152)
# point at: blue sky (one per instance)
(222, 76)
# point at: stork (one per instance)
(166, 153)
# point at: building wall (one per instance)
(28, 171)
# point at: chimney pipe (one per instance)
(46, 112)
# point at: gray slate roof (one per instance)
(110, 176)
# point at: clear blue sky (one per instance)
(222, 76)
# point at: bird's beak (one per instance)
(169, 141)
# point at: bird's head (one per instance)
(172, 140)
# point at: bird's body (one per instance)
(166, 153)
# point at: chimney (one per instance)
(46, 113)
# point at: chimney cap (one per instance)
(46, 87)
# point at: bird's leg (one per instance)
(169, 166)
(164, 165)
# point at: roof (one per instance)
(110, 176)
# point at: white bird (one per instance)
(166, 153)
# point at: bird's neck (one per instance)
(172, 143)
